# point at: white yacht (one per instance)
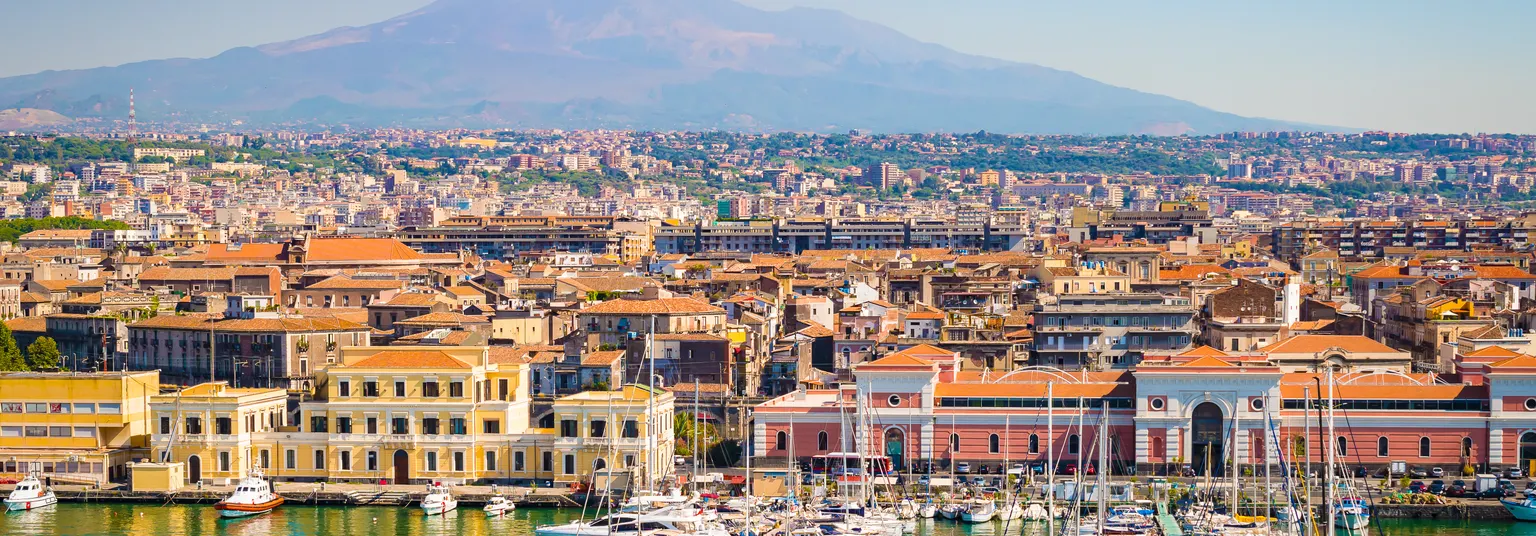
(499, 506)
(666, 519)
(979, 511)
(30, 494)
(438, 500)
(252, 496)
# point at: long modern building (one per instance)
(1369, 239)
(504, 237)
(796, 235)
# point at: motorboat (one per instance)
(951, 511)
(253, 496)
(498, 506)
(927, 510)
(1010, 511)
(30, 494)
(439, 500)
(1036, 512)
(1523, 509)
(1351, 513)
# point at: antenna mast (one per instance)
(133, 125)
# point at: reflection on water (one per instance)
(200, 520)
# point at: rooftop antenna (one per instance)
(133, 125)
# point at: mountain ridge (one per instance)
(644, 64)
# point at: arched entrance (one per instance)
(1206, 446)
(402, 465)
(194, 470)
(1527, 450)
(895, 446)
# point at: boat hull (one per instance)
(497, 512)
(1352, 520)
(1521, 511)
(233, 510)
(31, 504)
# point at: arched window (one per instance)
(1072, 444)
(1034, 444)
(821, 440)
(954, 442)
(780, 440)
(1343, 446)
(993, 445)
(1466, 446)
(599, 464)
(1381, 447)
(1424, 447)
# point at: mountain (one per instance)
(643, 64)
(28, 118)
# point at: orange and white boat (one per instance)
(253, 496)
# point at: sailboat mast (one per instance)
(1050, 458)
(1332, 451)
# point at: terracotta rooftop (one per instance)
(1312, 344)
(414, 359)
(661, 306)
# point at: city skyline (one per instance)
(1349, 66)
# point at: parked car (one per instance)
(1093, 469)
(1437, 487)
(1490, 493)
(1514, 473)
(1530, 487)
(1418, 472)
(979, 481)
(1456, 489)
(1037, 468)
(1070, 469)
(1507, 487)
(1416, 486)
(963, 467)
(922, 480)
(1360, 472)
(1436, 472)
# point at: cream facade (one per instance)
(81, 427)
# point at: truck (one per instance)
(1486, 482)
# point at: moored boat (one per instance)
(439, 500)
(252, 496)
(30, 494)
(1523, 509)
(498, 506)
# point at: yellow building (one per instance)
(74, 427)
(628, 429)
(411, 414)
(216, 430)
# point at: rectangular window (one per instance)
(58, 407)
(432, 461)
(85, 408)
(547, 464)
(400, 389)
(318, 423)
(343, 425)
(59, 431)
(109, 408)
(343, 389)
(194, 426)
(10, 431)
(492, 426)
(570, 464)
(224, 461)
(371, 388)
(346, 460)
(456, 389)
(371, 425)
(223, 426)
(37, 407)
(11, 407)
(456, 426)
(599, 428)
(501, 386)
(165, 426)
(490, 460)
(399, 426)
(631, 429)
(429, 389)
(291, 459)
(458, 462)
(429, 426)
(517, 461)
(568, 428)
(85, 431)
(373, 460)
(319, 460)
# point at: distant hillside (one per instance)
(26, 118)
(640, 64)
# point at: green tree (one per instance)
(683, 430)
(43, 354)
(10, 355)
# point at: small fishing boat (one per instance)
(499, 506)
(1352, 513)
(979, 511)
(438, 500)
(252, 496)
(30, 494)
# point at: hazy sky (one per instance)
(1408, 65)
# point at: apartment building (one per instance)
(1114, 330)
(74, 427)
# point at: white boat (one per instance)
(30, 494)
(1010, 511)
(1351, 513)
(439, 500)
(1036, 512)
(667, 519)
(928, 510)
(1523, 510)
(252, 496)
(498, 506)
(951, 511)
(980, 511)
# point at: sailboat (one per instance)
(1349, 512)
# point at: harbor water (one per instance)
(199, 520)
